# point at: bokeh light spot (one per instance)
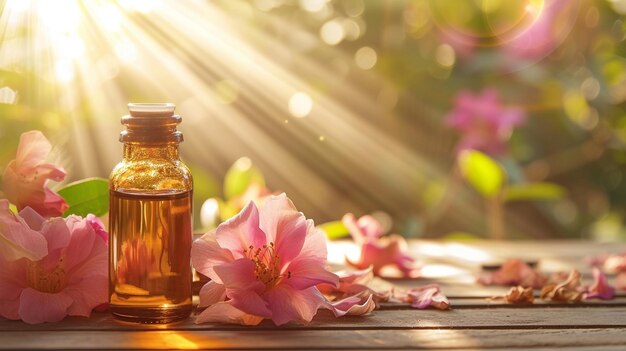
(300, 105)
(332, 32)
(365, 57)
(445, 56)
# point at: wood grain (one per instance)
(313, 339)
(470, 318)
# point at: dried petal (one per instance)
(567, 291)
(517, 294)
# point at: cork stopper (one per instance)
(151, 123)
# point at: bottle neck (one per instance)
(167, 151)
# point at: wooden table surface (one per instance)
(473, 323)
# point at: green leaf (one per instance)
(334, 230)
(86, 196)
(534, 191)
(482, 172)
(240, 176)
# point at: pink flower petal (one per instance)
(32, 218)
(238, 274)
(206, 253)
(81, 241)
(428, 295)
(304, 273)
(600, 288)
(211, 293)
(224, 312)
(249, 301)
(38, 307)
(284, 226)
(315, 245)
(17, 240)
(98, 227)
(241, 231)
(88, 294)
(289, 305)
(352, 306)
(33, 149)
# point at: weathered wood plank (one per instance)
(468, 318)
(313, 339)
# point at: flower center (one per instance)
(48, 281)
(266, 264)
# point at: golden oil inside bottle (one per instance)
(150, 271)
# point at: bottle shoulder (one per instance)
(151, 175)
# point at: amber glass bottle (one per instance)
(150, 220)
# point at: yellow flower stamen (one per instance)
(47, 281)
(266, 264)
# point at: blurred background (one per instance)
(359, 106)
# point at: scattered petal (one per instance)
(352, 306)
(224, 312)
(566, 291)
(424, 296)
(517, 295)
(600, 288)
(513, 272)
(379, 252)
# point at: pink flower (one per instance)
(25, 178)
(424, 296)
(71, 279)
(376, 251)
(514, 272)
(484, 123)
(264, 264)
(600, 287)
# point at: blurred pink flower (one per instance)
(483, 122)
(547, 28)
(71, 279)
(513, 272)
(424, 296)
(600, 288)
(25, 178)
(264, 264)
(610, 263)
(17, 239)
(376, 251)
